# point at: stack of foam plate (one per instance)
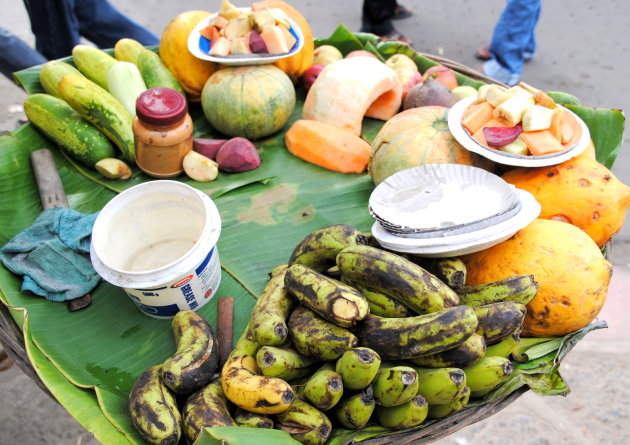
(440, 210)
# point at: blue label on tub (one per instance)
(159, 311)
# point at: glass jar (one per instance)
(162, 132)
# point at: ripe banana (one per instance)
(319, 248)
(334, 301)
(409, 414)
(354, 412)
(315, 337)
(268, 320)
(324, 388)
(197, 355)
(451, 271)
(206, 408)
(284, 363)
(499, 320)
(253, 420)
(520, 288)
(448, 409)
(358, 367)
(153, 409)
(305, 423)
(397, 277)
(381, 304)
(399, 338)
(464, 354)
(440, 385)
(487, 373)
(505, 347)
(395, 385)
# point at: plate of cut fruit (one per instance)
(245, 36)
(520, 126)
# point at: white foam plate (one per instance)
(199, 46)
(463, 137)
(463, 243)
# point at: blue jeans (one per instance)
(58, 25)
(513, 41)
(16, 55)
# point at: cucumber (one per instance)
(125, 84)
(128, 50)
(64, 126)
(155, 74)
(563, 98)
(52, 72)
(101, 109)
(93, 63)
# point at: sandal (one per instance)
(483, 53)
(395, 35)
(402, 12)
(5, 361)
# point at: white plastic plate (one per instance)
(199, 46)
(461, 135)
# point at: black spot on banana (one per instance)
(407, 415)
(464, 354)
(319, 248)
(499, 320)
(396, 277)
(197, 355)
(451, 271)
(324, 388)
(358, 367)
(440, 385)
(316, 337)
(268, 320)
(206, 408)
(284, 363)
(519, 288)
(399, 338)
(488, 373)
(334, 301)
(395, 385)
(448, 409)
(305, 423)
(153, 409)
(253, 420)
(381, 304)
(354, 411)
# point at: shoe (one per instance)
(483, 53)
(395, 35)
(402, 12)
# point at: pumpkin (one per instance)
(415, 137)
(191, 72)
(248, 101)
(295, 65)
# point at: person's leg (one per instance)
(16, 55)
(530, 47)
(104, 25)
(55, 27)
(377, 16)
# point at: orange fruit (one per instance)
(580, 191)
(571, 272)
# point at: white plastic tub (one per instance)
(157, 241)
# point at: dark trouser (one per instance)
(377, 16)
(16, 55)
(59, 24)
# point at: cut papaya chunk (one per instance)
(476, 116)
(275, 41)
(541, 142)
(557, 121)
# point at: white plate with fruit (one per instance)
(242, 36)
(519, 126)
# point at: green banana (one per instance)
(440, 385)
(499, 320)
(358, 367)
(448, 409)
(396, 277)
(409, 414)
(253, 420)
(505, 347)
(319, 248)
(324, 388)
(332, 300)
(206, 408)
(381, 304)
(315, 337)
(395, 385)
(283, 363)
(268, 320)
(464, 354)
(519, 288)
(487, 373)
(523, 351)
(153, 409)
(399, 338)
(305, 423)
(354, 412)
(197, 355)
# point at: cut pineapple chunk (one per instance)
(228, 10)
(281, 17)
(263, 19)
(537, 118)
(511, 110)
(237, 27)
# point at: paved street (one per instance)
(584, 49)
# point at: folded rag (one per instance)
(53, 255)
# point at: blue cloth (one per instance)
(16, 55)
(53, 255)
(58, 25)
(513, 41)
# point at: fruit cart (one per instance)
(88, 360)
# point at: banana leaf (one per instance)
(230, 435)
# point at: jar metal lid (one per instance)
(161, 106)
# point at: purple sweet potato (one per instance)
(237, 155)
(208, 147)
